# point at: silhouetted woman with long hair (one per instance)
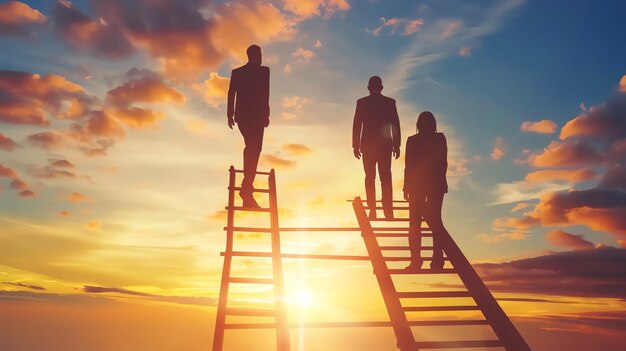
(424, 186)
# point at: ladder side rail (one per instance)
(280, 304)
(218, 339)
(500, 322)
(401, 327)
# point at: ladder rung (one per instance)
(428, 294)
(238, 188)
(380, 201)
(251, 280)
(406, 208)
(257, 172)
(440, 308)
(423, 271)
(250, 326)
(399, 235)
(250, 312)
(251, 209)
(394, 229)
(291, 255)
(449, 323)
(403, 248)
(458, 344)
(249, 229)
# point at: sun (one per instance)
(303, 298)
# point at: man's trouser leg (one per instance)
(435, 223)
(253, 138)
(369, 166)
(384, 170)
(416, 211)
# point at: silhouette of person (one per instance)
(248, 106)
(424, 187)
(376, 137)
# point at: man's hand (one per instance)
(406, 195)
(396, 152)
(231, 122)
(357, 153)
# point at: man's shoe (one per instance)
(372, 214)
(248, 200)
(436, 264)
(415, 265)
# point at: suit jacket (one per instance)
(376, 124)
(426, 163)
(249, 93)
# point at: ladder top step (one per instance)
(458, 344)
(250, 209)
(257, 172)
(406, 259)
(255, 190)
(380, 201)
(250, 312)
(245, 280)
(429, 294)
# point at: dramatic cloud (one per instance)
(27, 194)
(545, 126)
(27, 98)
(574, 175)
(18, 184)
(45, 140)
(403, 26)
(214, 90)
(559, 154)
(61, 164)
(498, 149)
(15, 182)
(7, 144)
(599, 272)
(94, 36)
(17, 18)
(605, 121)
(567, 240)
(7, 172)
(25, 285)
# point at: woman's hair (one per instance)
(426, 123)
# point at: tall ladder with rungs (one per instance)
(280, 306)
(507, 335)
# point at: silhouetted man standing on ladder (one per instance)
(376, 137)
(248, 106)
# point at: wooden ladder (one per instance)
(507, 335)
(280, 308)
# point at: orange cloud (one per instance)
(64, 213)
(7, 172)
(77, 197)
(27, 194)
(18, 18)
(545, 126)
(297, 149)
(275, 161)
(7, 144)
(303, 55)
(19, 185)
(94, 225)
(566, 154)
(136, 117)
(465, 51)
(458, 167)
(214, 89)
(574, 175)
(519, 206)
(498, 149)
(570, 241)
(495, 238)
(61, 164)
(29, 98)
(310, 8)
(295, 102)
(143, 87)
(45, 140)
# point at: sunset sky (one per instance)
(114, 157)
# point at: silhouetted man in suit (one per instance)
(248, 106)
(376, 137)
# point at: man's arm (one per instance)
(357, 127)
(266, 96)
(232, 90)
(395, 130)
